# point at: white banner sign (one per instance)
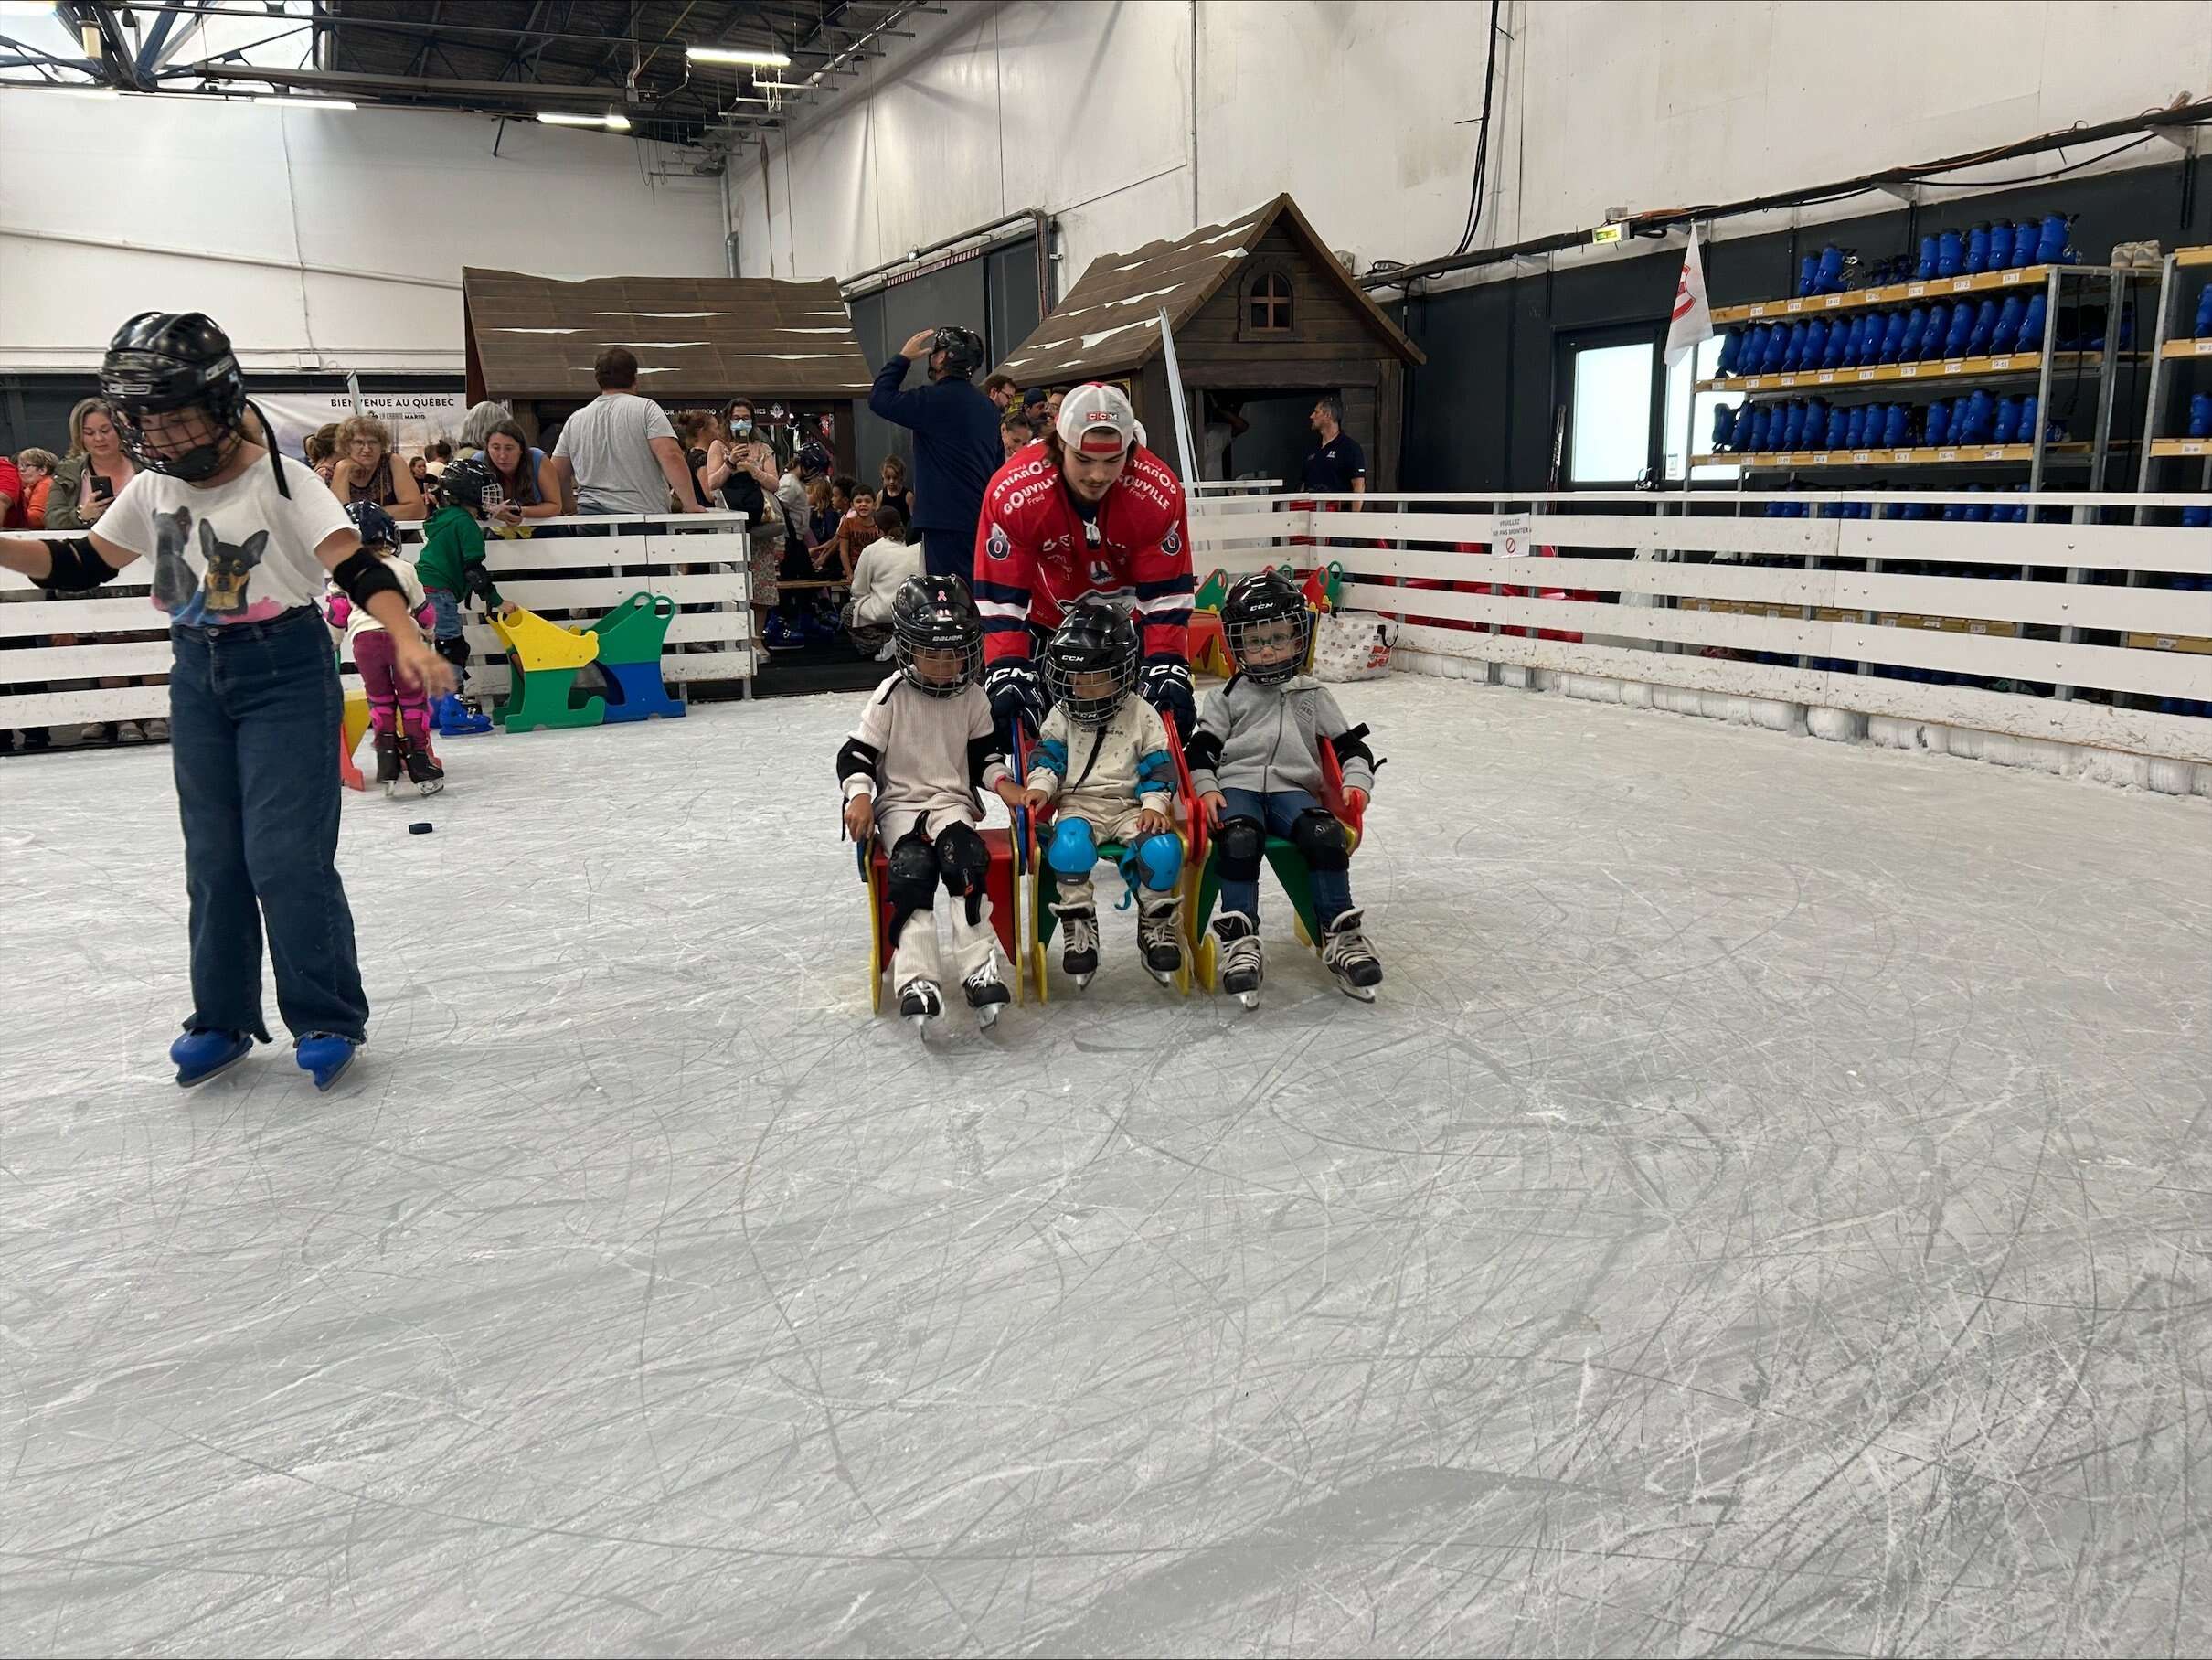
(414, 418)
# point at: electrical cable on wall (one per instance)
(1481, 140)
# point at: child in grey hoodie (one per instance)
(1255, 762)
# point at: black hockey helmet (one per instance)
(1264, 598)
(1094, 637)
(463, 483)
(378, 527)
(179, 365)
(936, 613)
(964, 350)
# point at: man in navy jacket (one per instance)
(956, 442)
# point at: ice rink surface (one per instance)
(1767, 1213)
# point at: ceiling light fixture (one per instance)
(726, 54)
(561, 118)
(783, 86)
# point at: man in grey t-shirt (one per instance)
(619, 453)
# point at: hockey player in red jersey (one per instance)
(1088, 509)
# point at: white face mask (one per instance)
(744, 426)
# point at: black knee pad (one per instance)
(962, 859)
(1321, 841)
(1242, 843)
(965, 864)
(911, 883)
(455, 651)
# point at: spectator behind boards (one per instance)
(956, 443)
(1336, 463)
(618, 451)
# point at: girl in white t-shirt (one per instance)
(240, 540)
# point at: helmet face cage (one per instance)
(1072, 671)
(1246, 633)
(463, 485)
(198, 428)
(939, 632)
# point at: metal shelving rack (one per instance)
(2181, 275)
(2182, 271)
(2094, 451)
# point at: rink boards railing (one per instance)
(699, 560)
(2094, 633)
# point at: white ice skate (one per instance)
(1158, 940)
(1242, 967)
(987, 994)
(921, 1002)
(1079, 943)
(1345, 952)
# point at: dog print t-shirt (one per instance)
(236, 553)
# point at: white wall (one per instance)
(1366, 114)
(223, 204)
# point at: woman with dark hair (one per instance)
(742, 472)
(527, 482)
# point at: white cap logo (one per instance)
(1097, 420)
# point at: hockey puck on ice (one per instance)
(418, 829)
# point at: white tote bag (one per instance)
(1352, 646)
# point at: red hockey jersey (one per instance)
(1034, 554)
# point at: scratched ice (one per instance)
(1766, 1213)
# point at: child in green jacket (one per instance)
(451, 564)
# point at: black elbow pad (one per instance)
(362, 573)
(1353, 743)
(76, 565)
(856, 758)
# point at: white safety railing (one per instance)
(699, 560)
(2093, 633)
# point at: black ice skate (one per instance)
(1159, 942)
(1345, 952)
(424, 774)
(921, 1002)
(388, 762)
(1078, 942)
(1241, 968)
(986, 993)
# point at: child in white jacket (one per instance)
(882, 569)
(1103, 756)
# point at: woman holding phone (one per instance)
(91, 477)
(742, 472)
(94, 473)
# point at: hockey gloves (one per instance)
(1166, 686)
(1018, 694)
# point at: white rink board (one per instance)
(1764, 1213)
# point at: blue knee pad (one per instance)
(1073, 850)
(1157, 860)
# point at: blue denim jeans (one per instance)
(1277, 810)
(254, 709)
(446, 614)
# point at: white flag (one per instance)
(1693, 320)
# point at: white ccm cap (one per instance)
(1097, 421)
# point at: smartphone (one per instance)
(103, 490)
